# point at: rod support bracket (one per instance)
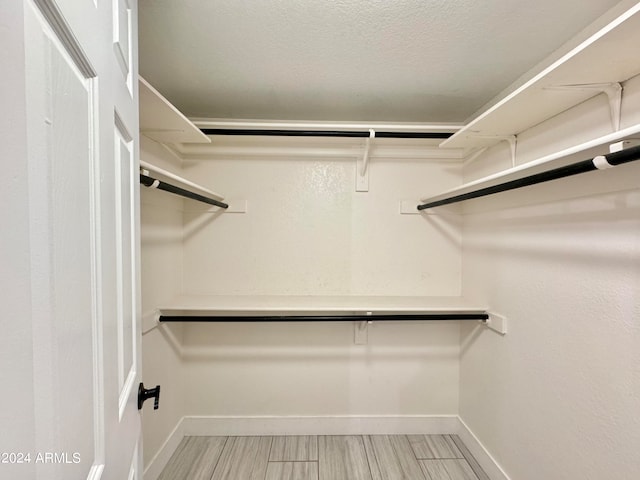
(362, 171)
(361, 331)
(497, 323)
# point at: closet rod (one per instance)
(600, 162)
(184, 181)
(323, 133)
(399, 317)
(167, 187)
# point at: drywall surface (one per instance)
(558, 396)
(308, 232)
(161, 272)
(316, 370)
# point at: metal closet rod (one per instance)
(399, 317)
(600, 162)
(323, 133)
(167, 187)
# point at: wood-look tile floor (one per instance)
(349, 457)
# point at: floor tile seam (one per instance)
(373, 452)
(476, 468)
(475, 477)
(425, 439)
(453, 445)
(398, 456)
(438, 459)
(226, 440)
(292, 461)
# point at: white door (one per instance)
(82, 153)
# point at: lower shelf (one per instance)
(402, 317)
(206, 308)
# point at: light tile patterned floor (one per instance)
(348, 457)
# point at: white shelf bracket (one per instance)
(361, 331)
(410, 207)
(612, 90)
(496, 322)
(362, 171)
(622, 144)
(512, 140)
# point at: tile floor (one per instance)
(309, 457)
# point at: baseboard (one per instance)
(480, 453)
(160, 459)
(320, 425)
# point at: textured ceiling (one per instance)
(357, 60)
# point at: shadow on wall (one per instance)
(597, 229)
(197, 220)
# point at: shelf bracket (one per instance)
(361, 331)
(362, 172)
(496, 322)
(622, 144)
(512, 140)
(612, 90)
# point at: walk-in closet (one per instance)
(395, 299)
(307, 240)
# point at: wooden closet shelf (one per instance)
(326, 308)
(564, 80)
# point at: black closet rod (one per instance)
(326, 318)
(600, 162)
(323, 133)
(167, 187)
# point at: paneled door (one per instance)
(82, 153)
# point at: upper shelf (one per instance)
(195, 305)
(161, 121)
(609, 55)
(544, 164)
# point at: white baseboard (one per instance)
(320, 425)
(160, 459)
(480, 453)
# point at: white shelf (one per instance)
(162, 122)
(178, 178)
(610, 55)
(247, 305)
(548, 162)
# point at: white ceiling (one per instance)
(348, 60)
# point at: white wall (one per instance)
(304, 369)
(161, 264)
(308, 232)
(558, 396)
